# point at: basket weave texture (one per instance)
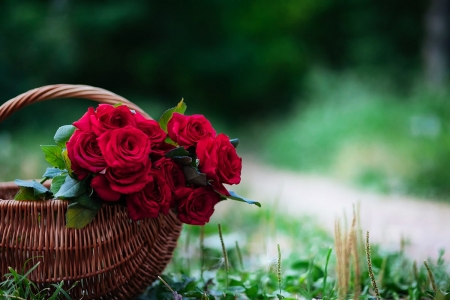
(111, 258)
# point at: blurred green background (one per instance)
(355, 89)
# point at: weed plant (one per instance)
(275, 257)
(298, 267)
(16, 285)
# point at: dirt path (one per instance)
(426, 225)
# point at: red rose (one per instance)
(219, 161)
(129, 179)
(84, 154)
(174, 176)
(109, 117)
(188, 130)
(155, 197)
(160, 151)
(151, 128)
(84, 123)
(101, 186)
(198, 207)
(124, 147)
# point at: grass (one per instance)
(17, 286)
(296, 261)
(271, 256)
(366, 133)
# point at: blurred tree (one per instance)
(436, 45)
(240, 58)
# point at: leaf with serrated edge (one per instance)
(57, 182)
(71, 188)
(180, 151)
(78, 216)
(67, 162)
(234, 196)
(194, 177)
(167, 115)
(63, 134)
(36, 186)
(183, 160)
(88, 202)
(53, 172)
(27, 193)
(53, 155)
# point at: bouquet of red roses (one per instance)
(116, 155)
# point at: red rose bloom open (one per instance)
(198, 207)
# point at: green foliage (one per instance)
(28, 193)
(53, 155)
(167, 115)
(78, 216)
(179, 151)
(363, 132)
(57, 182)
(63, 135)
(37, 187)
(17, 286)
(71, 188)
(235, 54)
(53, 172)
(234, 196)
(88, 201)
(308, 267)
(31, 190)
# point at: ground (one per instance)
(388, 218)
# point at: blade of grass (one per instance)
(325, 275)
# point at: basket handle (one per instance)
(49, 92)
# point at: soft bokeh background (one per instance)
(351, 89)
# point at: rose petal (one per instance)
(101, 186)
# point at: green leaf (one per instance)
(57, 182)
(36, 186)
(169, 141)
(183, 160)
(78, 216)
(53, 155)
(234, 142)
(305, 265)
(27, 193)
(117, 104)
(234, 196)
(194, 177)
(67, 162)
(180, 151)
(91, 202)
(63, 134)
(441, 295)
(53, 172)
(167, 115)
(71, 188)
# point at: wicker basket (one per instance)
(111, 258)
